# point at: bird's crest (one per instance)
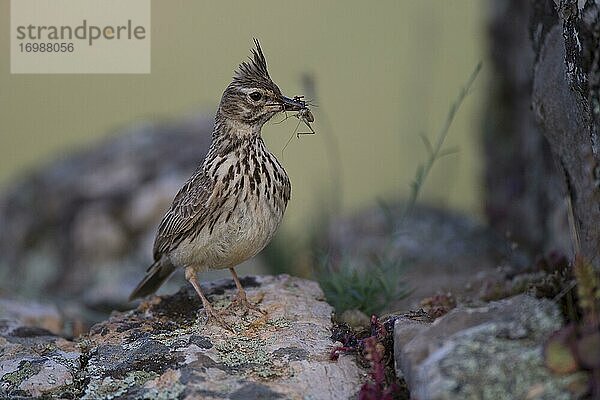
(256, 68)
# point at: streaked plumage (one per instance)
(231, 206)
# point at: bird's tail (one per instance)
(156, 275)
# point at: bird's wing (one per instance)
(190, 207)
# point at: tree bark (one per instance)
(542, 124)
(565, 36)
(522, 201)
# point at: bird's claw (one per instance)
(241, 302)
(214, 317)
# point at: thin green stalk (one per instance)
(435, 152)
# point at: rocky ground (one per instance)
(493, 351)
(486, 309)
(164, 350)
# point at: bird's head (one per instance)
(252, 98)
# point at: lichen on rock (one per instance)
(488, 352)
(165, 350)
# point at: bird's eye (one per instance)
(256, 96)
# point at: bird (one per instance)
(232, 205)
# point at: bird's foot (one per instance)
(212, 315)
(241, 302)
(216, 318)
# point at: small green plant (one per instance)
(369, 287)
(372, 286)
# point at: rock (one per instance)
(32, 314)
(163, 349)
(61, 319)
(34, 362)
(149, 201)
(165, 346)
(565, 95)
(355, 319)
(489, 352)
(97, 237)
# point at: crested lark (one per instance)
(231, 206)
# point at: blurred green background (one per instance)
(385, 71)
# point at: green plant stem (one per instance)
(435, 152)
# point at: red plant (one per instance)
(373, 349)
(377, 389)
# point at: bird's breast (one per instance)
(247, 205)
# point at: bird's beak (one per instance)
(288, 104)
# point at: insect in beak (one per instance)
(294, 104)
(303, 114)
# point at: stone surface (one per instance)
(164, 350)
(34, 362)
(32, 314)
(488, 352)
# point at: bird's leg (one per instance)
(241, 300)
(212, 315)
